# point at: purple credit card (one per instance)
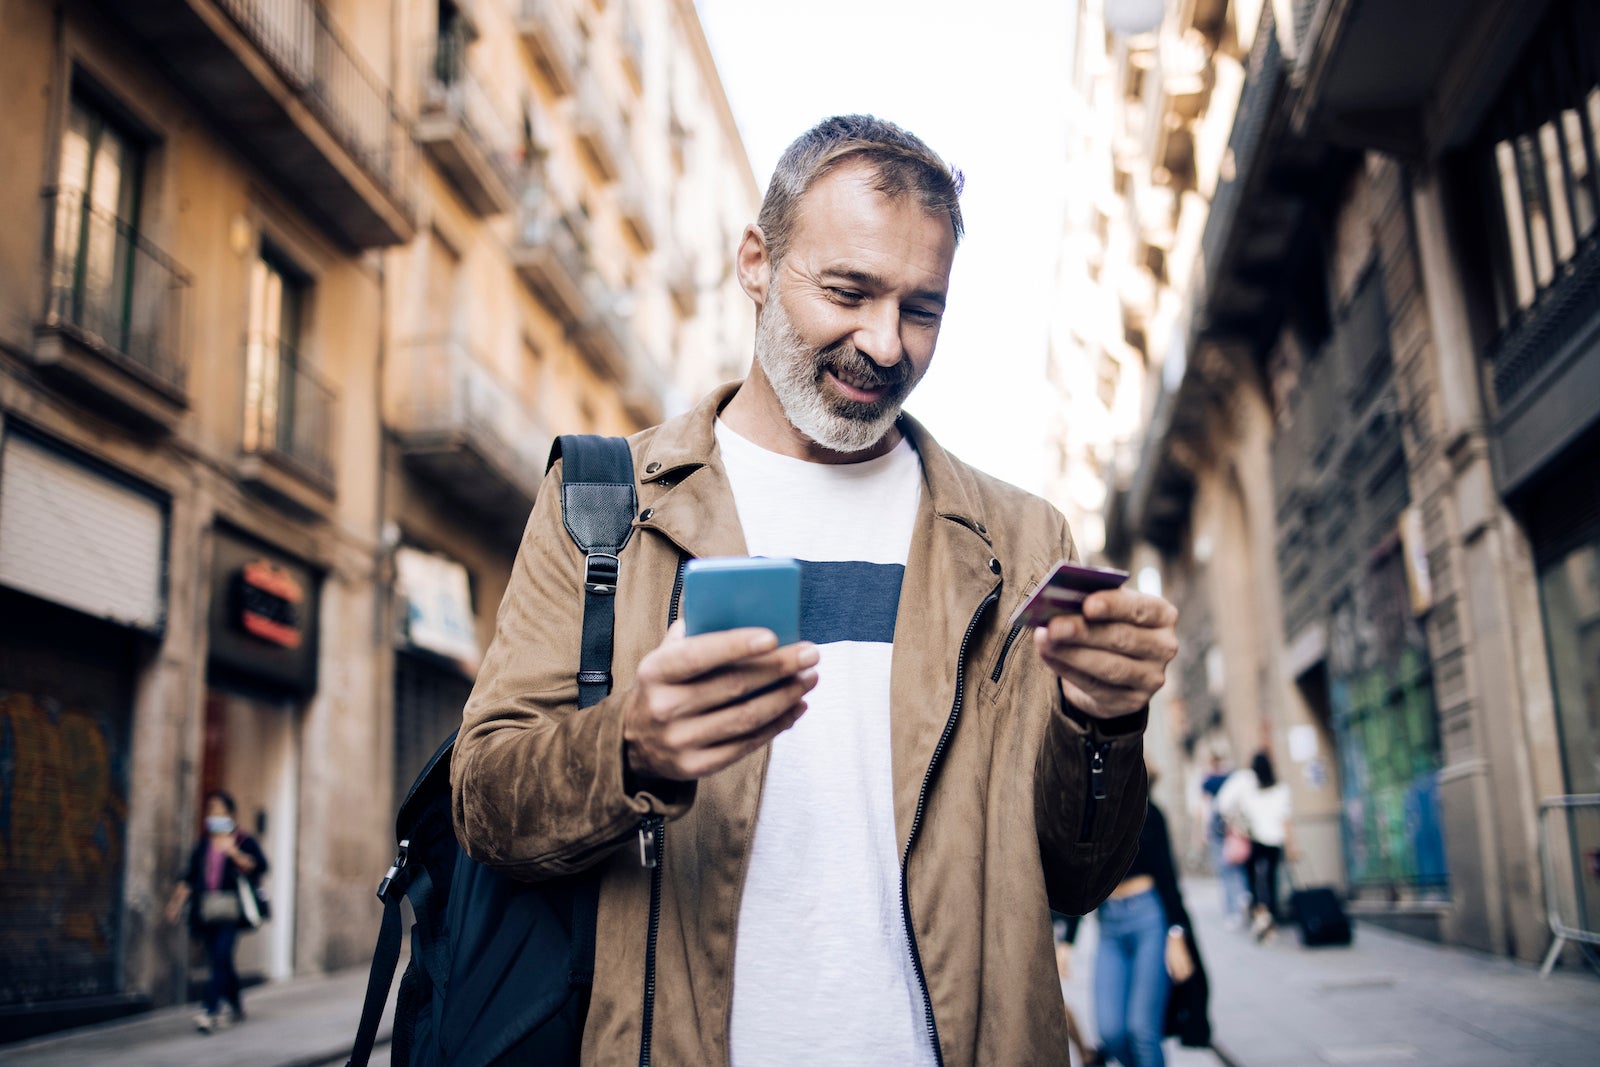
(1062, 593)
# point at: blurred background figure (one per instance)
(1148, 980)
(1256, 802)
(1230, 876)
(225, 863)
(1085, 1053)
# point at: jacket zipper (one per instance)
(652, 851)
(916, 824)
(1097, 786)
(1005, 650)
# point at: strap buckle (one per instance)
(600, 571)
(394, 870)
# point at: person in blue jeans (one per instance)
(1230, 876)
(1146, 949)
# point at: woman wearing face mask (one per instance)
(223, 857)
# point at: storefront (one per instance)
(436, 658)
(82, 602)
(261, 671)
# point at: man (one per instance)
(864, 829)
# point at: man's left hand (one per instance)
(1113, 658)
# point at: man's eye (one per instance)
(848, 296)
(922, 315)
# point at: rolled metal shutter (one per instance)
(428, 698)
(79, 538)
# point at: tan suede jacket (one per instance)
(993, 789)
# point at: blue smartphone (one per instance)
(727, 592)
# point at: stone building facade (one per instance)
(1370, 478)
(294, 296)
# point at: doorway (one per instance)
(252, 751)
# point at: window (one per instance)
(97, 226)
(1537, 162)
(453, 32)
(288, 410)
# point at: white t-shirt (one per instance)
(822, 970)
(1264, 812)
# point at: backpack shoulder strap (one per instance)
(598, 502)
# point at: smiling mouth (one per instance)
(860, 389)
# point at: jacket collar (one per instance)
(680, 456)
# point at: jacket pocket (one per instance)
(1006, 649)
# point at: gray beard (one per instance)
(795, 370)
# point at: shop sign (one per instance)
(268, 599)
(264, 607)
(438, 606)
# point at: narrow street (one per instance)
(1387, 999)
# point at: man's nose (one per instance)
(878, 335)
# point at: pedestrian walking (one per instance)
(1148, 981)
(834, 837)
(1231, 877)
(225, 864)
(1259, 804)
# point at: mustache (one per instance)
(846, 358)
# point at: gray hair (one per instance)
(900, 162)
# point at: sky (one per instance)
(985, 85)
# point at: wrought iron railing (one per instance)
(113, 286)
(564, 234)
(554, 25)
(288, 410)
(446, 388)
(450, 89)
(302, 43)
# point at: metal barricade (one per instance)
(1569, 855)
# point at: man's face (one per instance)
(851, 313)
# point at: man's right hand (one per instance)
(702, 703)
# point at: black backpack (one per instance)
(500, 969)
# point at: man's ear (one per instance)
(754, 265)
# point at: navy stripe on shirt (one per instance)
(849, 600)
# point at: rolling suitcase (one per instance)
(1320, 914)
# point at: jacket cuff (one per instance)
(1118, 726)
(661, 796)
(644, 796)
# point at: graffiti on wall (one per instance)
(1385, 719)
(63, 809)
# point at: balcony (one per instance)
(463, 429)
(1403, 78)
(549, 251)
(291, 94)
(632, 50)
(465, 135)
(596, 128)
(644, 394)
(289, 416)
(604, 338)
(111, 330)
(633, 203)
(548, 35)
(682, 282)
